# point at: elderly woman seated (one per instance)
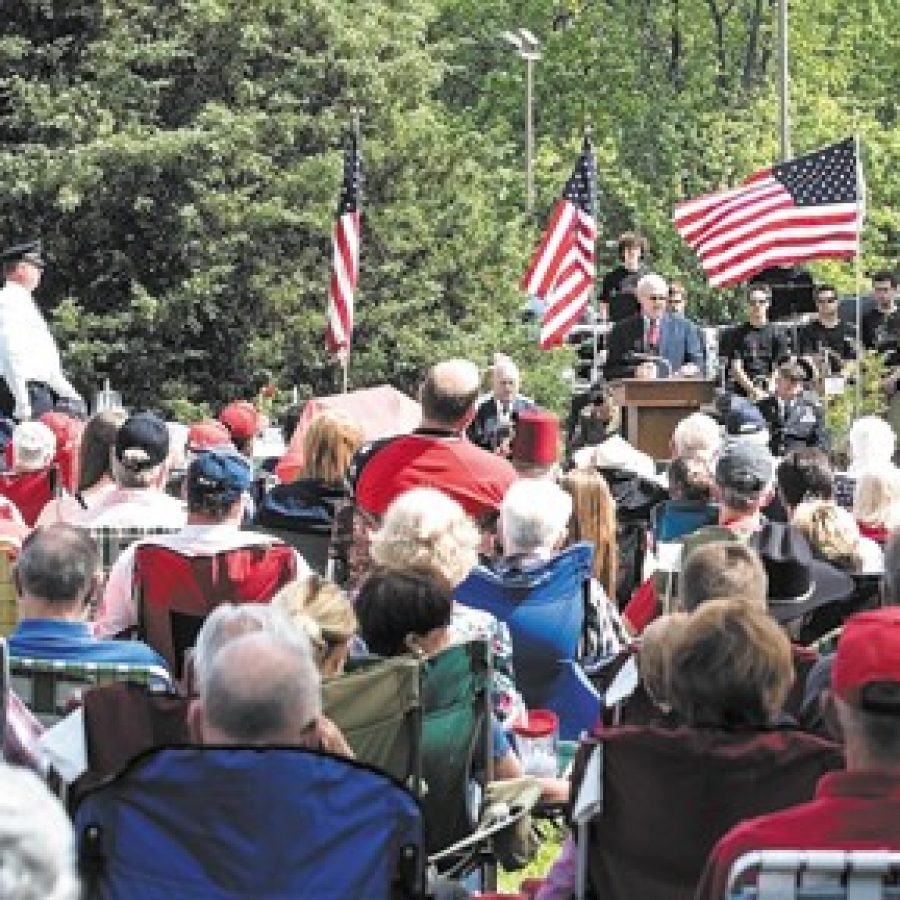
(424, 528)
(727, 677)
(542, 592)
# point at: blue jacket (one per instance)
(679, 343)
(71, 641)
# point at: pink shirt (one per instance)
(118, 610)
(134, 508)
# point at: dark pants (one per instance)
(42, 398)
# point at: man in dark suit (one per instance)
(653, 332)
(492, 426)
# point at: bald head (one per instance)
(260, 689)
(449, 393)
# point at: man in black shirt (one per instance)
(753, 349)
(881, 325)
(618, 293)
(827, 334)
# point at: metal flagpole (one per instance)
(594, 292)
(860, 210)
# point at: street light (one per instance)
(528, 48)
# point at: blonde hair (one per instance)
(594, 519)
(832, 533)
(328, 445)
(321, 610)
(424, 528)
(876, 500)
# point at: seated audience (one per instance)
(139, 468)
(723, 569)
(856, 809)
(243, 422)
(95, 480)
(654, 658)
(730, 673)
(744, 422)
(410, 612)
(38, 858)
(804, 476)
(321, 610)
(216, 486)
(876, 502)
(56, 578)
(690, 505)
(33, 480)
(310, 504)
(424, 528)
(834, 537)
(872, 444)
(436, 453)
(696, 436)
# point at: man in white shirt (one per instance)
(139, 468)
(217, 481)
(29, 359)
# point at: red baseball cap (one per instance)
(241, 419)
(868, 653)
(207, 434)
(66, 429)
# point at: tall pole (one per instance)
(784, 81)
(529, 134)
(861, 204)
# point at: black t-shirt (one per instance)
(619, 292)
(881, 331)
(815, 337)
(758, 349)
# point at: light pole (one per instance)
(528, 47)
(784, 93)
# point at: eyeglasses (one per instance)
(659, 297)
(758, 301)
(826, 298)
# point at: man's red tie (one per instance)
(653, 333)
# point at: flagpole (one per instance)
(860, 189)
(594, 292)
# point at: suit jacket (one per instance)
(484, 428)
(679, 343)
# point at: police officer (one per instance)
(29, 359)
(794, 415)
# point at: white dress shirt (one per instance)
(133, 508)
(27, 349)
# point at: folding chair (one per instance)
(51, 688)
(9, 604)
(544, 607)
(267, 823)
(111, 542)
(816, 875)
(31, 491)
(650, 803)
(174, 593)
(377, 705)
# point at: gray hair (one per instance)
(57, 564)
(696, 437)
(37, 847)
(261, 687)
(741, 501)
(534, 514)
(872, 442)
(651, 283)
(134, 478)
(231, 621)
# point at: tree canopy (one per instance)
(182, 159)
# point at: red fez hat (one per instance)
(536, 441)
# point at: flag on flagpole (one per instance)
(806, 208)
(345, 255)
(562, 271)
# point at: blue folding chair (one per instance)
(544, 607)
(236, 822)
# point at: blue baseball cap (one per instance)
(743, 419)
(219, 472)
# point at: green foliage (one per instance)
(182, 158)
(841, 409)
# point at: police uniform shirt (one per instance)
(758, 349)
(27, 349)
(798, 422)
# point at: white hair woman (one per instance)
(696, 437)
(872, 443)
(876, 501)
(424, 528)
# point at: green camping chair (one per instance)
(377, 706)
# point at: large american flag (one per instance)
(562, 272)
(806, 208)
(345, 265)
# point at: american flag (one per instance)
(345, 268)
(807, 208)
(562, 272)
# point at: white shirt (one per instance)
(27, 349)
(134, 508)
(68, 509)
(118, 610)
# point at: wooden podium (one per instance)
(652, 407)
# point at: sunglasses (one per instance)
(761, 301)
